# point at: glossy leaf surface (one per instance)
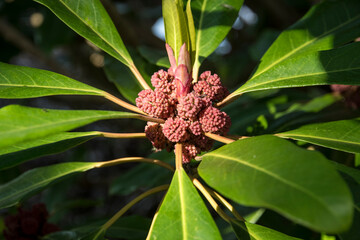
(12, 192)
(337, 66)
(176, 30)
(251, 231)
(25, 82)
(18, 153)
(89, 19)
(326, 26)
(18, 123)
(270, 172)
(183, 214)
(213, 20)
(341, 135)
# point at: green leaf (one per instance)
(18, 153)
(25, 82)
(89, 19)
(337, 66)
(340, 135)
(183, 214)
(326, 26)
(176, 29)
(256, 232)
(192, 32)
(29, 182)
(270, 172)
(352, 172)
(213, 20)
(18, 123)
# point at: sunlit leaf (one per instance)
(183, 214)
(176, 29)
(292, 60)
(270, 172)
(341, 135)
(213, 20)
(89, 19)
(25, 82)
(18, 123)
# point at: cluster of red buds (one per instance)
(186, 107)
(350, 93)
(29, 225)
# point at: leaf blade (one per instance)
(185, 210)
(18, 123)
(12, 192)
(25, 82)
(209, 37)
(340, 135)
(317, 31)
(308, 189)
(89, 19)
(16, 154)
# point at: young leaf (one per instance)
(183, 214)
(89, 19)
(326, 26)
(256, 232)
(18, 123)
(25, 82)
(18, 153)
(12, 192)
(213, 20)
(270, 172)
(341, 135)
(336, 66)
(176, 29)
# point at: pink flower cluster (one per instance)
(187, 116)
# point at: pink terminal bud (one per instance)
(156, 104)
(215, 121)
(189, 106)
(163, 82)
(182, 81)
(175, 129)
(184, 58)
(154, 133)
(189, 152)
(172, 59)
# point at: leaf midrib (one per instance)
(302, 46)
(182, 204)
(253, 86)
(99, 35)
(34, 186)
(51, 87)
(275, 176)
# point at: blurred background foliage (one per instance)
(30, 35)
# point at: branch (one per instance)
(122, 135)
(212, 202)
(128, 206)
(227, 100)
(122, 103)
(135, 159)
(178, 156)
(219, 138)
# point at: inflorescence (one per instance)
(187, 109)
